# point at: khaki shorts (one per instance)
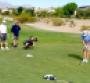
(87, 47)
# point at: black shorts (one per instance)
(3, 36)
(15, 37)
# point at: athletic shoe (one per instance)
(6, 48)
(85, 61)
(15, 46)
(2, 48)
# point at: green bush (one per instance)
(21, 18)
(57, 22)
(85, 27)
(84, 14)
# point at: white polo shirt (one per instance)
(3, 28)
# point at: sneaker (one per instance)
(15, 46)
(6, 48)
(2, 48)
(85, 61)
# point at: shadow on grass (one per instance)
(75, 56)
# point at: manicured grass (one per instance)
(55, 53)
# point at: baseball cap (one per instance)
(85, 33)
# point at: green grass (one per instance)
(55, 53)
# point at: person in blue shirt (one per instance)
(15, 31)
(86, 42)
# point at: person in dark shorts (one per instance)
(3, 36)
(15, 30)
(29, 42)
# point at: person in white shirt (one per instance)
(3, 34)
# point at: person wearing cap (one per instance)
(3, 35)
(86, 43)
(30, 42)
(15, 31)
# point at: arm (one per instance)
(82, 38)
(84, 44)
(19, 28)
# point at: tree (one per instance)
(42, 13)
(88, 13)
(30, 11)
(69, 9)
(19, 10)
(58, 12)
(83, 13)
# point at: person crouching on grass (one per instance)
(15, 31)
(3, 35)
(86, 42)
(29, 42)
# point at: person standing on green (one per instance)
(15, 31)
(86, 43)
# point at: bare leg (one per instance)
(85, 55)
(2, 44)
(15, 42)
(85, 52)
(6, 45)
(2, 48)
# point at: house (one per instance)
(84, 7)
(6, 10)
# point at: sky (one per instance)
(47, 3)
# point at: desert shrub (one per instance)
(47, 20)
(85, 27)
(25, 18)
(57, 21)
(32, 19)
(72, 23)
